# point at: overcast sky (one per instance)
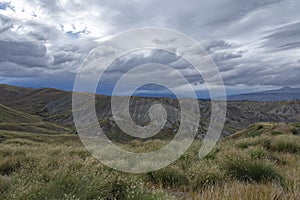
(255, 44)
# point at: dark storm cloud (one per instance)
(26, 53)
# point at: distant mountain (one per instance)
(283, 94)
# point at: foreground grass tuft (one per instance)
(249, 170)
(168, 177)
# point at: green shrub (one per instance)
(168, 177)
(276, 133)
(250, 170)
(286, 146)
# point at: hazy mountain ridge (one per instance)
(283, 94)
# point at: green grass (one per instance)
(61, 169)
(253, 134)
(276, 133)
(38, 127)
(9, 115)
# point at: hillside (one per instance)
(54, 106)
(24, 119)
(9, 115)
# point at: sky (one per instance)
(255, 44)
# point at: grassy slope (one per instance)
(9, 115)
(261, 162)
(13, 120)
(29, 100)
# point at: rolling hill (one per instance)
(9, 115)
(54, 106)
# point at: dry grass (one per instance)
(49, 166)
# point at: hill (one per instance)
(55, 106)
(24, 119)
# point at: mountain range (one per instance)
(283, 94)
(48, 109)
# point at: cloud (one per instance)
(283, 38)
(252, 42)
(13, 70)
(6, 5)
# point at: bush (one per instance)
(168, 177)
(250, 170)
(286, 146)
